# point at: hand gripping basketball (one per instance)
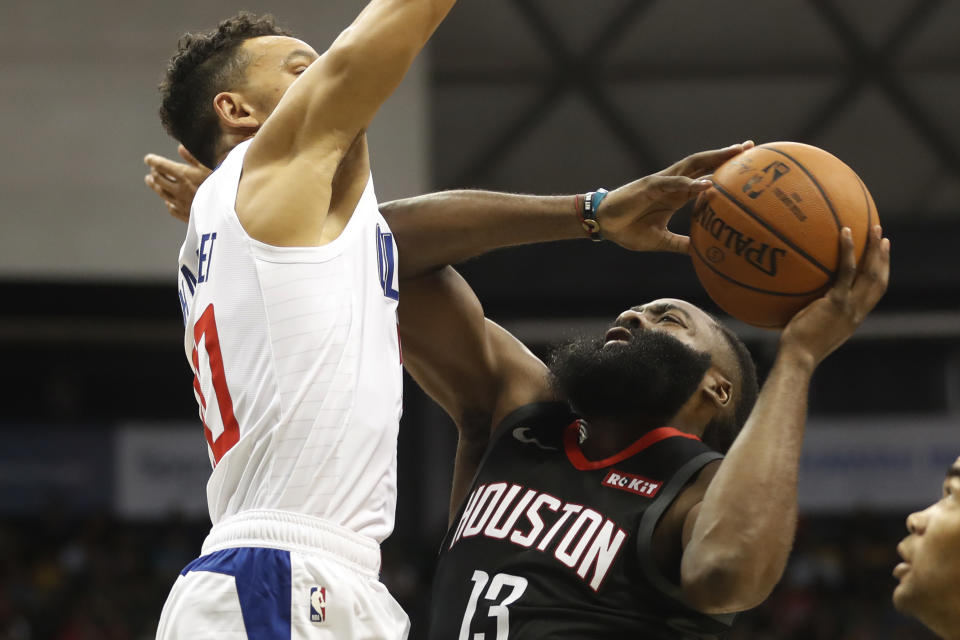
(826, 323)
(765, 239)
(636, 215)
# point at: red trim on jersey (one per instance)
(571, 445)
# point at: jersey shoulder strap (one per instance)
(694, 456)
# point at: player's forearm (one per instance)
(744, 531)
(339, 94)
(390, 29)
(448, 227)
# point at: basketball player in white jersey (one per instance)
(288, 287)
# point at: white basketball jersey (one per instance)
(296, 359)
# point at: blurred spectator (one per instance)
(930, 570)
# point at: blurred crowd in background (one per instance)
(98, 578)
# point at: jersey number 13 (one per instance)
(495, 602)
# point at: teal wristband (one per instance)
(591, 204)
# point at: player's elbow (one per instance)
(725, 582)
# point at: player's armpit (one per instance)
(471, 445)
(469, 365)
(472, 367)
(688, 503)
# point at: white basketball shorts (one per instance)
(272, 575)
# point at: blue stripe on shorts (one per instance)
(263, 587)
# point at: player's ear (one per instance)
(234, 112)
(718, 389)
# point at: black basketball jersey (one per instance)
(549, 544)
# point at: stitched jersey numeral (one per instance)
(495, 603)
(205, 337)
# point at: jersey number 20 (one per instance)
(495, 609)
(205, 336)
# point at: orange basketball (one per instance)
(765, 239)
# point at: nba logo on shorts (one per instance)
(318, 604)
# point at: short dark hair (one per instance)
(206, 64)
(723, 429)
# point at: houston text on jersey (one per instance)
(589, 544)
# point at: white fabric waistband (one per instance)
(295, 532)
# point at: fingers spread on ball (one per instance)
(875, 272)
(704, 162)
(681, 184)
(847, 271)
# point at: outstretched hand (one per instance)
(175, 182)
(826, 323)
(636, 215)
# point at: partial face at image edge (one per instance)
(929, 576)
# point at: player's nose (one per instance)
(633, 320)
(916, 522)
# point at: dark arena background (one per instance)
(102, 459)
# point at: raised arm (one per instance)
(287, 185)
(452, 226)
(337, 96)
(738, 539)
(449, 227)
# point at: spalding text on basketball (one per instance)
(761, 255)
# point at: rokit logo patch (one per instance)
(632, 483)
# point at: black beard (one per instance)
(647, 380)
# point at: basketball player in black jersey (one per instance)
(618, 521)
(586, 500)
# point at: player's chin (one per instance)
(902, 597)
